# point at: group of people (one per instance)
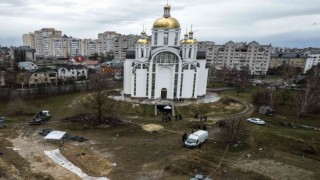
(166, 117)
(201, 117)
(178, 100)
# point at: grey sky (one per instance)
(292, 23)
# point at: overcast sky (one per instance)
(290, 23)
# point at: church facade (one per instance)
(165, 66)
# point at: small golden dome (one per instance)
(189, 41)
(143, 41)
(167, 6)
(168, 22)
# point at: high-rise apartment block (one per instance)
(49, 43)
(106, 41)
(237, 55)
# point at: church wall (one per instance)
(141, 81)
(127, 76)
(164, 79)
(203, 75)
(187, 83)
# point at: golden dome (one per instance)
(143, 41)
(189, 41)
(169, 22)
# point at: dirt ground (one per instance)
(31, 147)
(130, 152)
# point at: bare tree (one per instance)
(310, 93)
(261, 97)
(225, 74)
(242, 79)
(236, 129)
(97, 100)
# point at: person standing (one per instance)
(184, 137)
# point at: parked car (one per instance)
(256, 121)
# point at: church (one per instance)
(164, 66)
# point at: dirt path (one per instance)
(32, 149)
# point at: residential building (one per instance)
(237, 55)
(27, 65)
(43, 41)
(89, 47)
(72, 72)
(5, 54)
(43, 76)
(106, 41)
(291, 59)
(78, 60)
(28, 40)
(312, 60)
(165, 67)
(207, 46)
(284, 50)
(112, 69)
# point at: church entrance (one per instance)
(163, 93)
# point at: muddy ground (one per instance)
(131, 152)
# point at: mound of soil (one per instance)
(152, 127)
(93, 119)
(87, 160)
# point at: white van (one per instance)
(196, 138)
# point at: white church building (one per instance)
(165, 67)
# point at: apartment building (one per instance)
(236, 55)
(122, 43)
(312, 60)
(106, 41)
(28, 40)
(291, 59)
(43, 41)
(207, 46)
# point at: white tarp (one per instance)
(56, 135)
(58, 158)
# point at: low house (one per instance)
(27, 65)
(112, 69)
(292, 59)
(77, 60)
(43, 76)
(91, 64)
(73, 72)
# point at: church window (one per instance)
(155, 39)
(189, 53)
(142, 53)
(176, 39)
(165, 38)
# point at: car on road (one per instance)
(256, 121)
